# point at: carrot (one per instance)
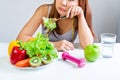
(23, 63)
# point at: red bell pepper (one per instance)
(17, 54)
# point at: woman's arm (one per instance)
(84, 25)
(32, 25)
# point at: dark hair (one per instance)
(83, 4)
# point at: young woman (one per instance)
(78, 22)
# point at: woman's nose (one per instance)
(64, 2)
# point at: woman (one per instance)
(78, 21)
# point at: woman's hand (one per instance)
(74, 11)
(63, 45)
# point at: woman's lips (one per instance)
(62, 10)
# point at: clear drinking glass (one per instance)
(108, 40)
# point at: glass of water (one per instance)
(108, 40)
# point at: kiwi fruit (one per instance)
(35, 61)
(47, 59)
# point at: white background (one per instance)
(15, 13)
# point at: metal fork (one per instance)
(56, 19)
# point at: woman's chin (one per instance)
(61, 13)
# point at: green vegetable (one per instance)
(49, 23)
(40, 47)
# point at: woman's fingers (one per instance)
(63, 45)
(66, 48)
(69, 44)
(74, 11)
(68, 13)
(77, 11)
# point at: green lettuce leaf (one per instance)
(49, 23)
(40, 46)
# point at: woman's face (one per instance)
(62, 6)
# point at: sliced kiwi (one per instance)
(47, 59)
(35, 61)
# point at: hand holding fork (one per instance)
(56, 19)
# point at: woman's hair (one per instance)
(83, 4)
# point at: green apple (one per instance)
(92, 52)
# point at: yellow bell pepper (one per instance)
(31, 39)
(11, 45)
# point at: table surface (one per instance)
(102, 69)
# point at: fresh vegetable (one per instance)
(31, 39)
(38, 49)
(17, 54)
(49, 23)
(11, 45)
(40, 46)
(35, 61)
(23, 63)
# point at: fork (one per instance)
(56, 19)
